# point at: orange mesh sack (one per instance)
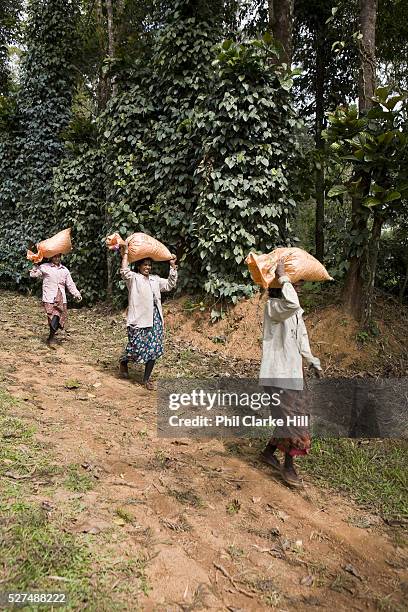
(299, 265)
(60, 243)
(140, 247)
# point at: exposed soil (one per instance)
(218, 530)
(335, 337)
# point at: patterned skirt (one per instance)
(294, 446)
(298, 440)
(145, 343)
(56, 308)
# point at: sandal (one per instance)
(271, 460)
(291, 477)
(123, 369)
(149, 385)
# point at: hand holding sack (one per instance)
(299, 265)
(140, 246)
(60, 243)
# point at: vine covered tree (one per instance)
(281, 14)
(34, 148)
(250, 152)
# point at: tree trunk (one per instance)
(354, 292)
(106, 88)
(112, 87)
(372, 258)
(319, 222)
(111, 32)
(368, 17)
(271, 15)
(281, 25)
(102, 87)
(319, 127)
(111, 40)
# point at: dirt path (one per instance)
(218, 531)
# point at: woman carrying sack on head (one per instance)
(56, 279)
(285, 343)
(145, 324)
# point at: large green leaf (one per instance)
(371, 201)
(382, 93)
(392, 196)
(336, 191)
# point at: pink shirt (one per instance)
(54, 278)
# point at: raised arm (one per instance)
(125, 272)
(36, 272)
(169, 283)
(285, 307)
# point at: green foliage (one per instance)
(77, 481)
(199, 153)
(371, 151)
(151, 144)
(199, 149)
(392, 40)
(249, 148)
(393, 257)
(79, 203)
(7, 113)
(32, 149)
(323, 45)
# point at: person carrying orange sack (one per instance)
(56, 279)
(285, 345)
(58, 244)
(145, 323)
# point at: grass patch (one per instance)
(235, 552)
(234, 448)
(188, 498)
(33, 550)
(72, 383)
(233, 507)
(139, 569)
(385, 604)
(77, 482)
(375, 474)
(36, 551)
(160, 460)
(266, 534)
(266, 589)
(123, 514)
(181, 524)
(20, 454)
